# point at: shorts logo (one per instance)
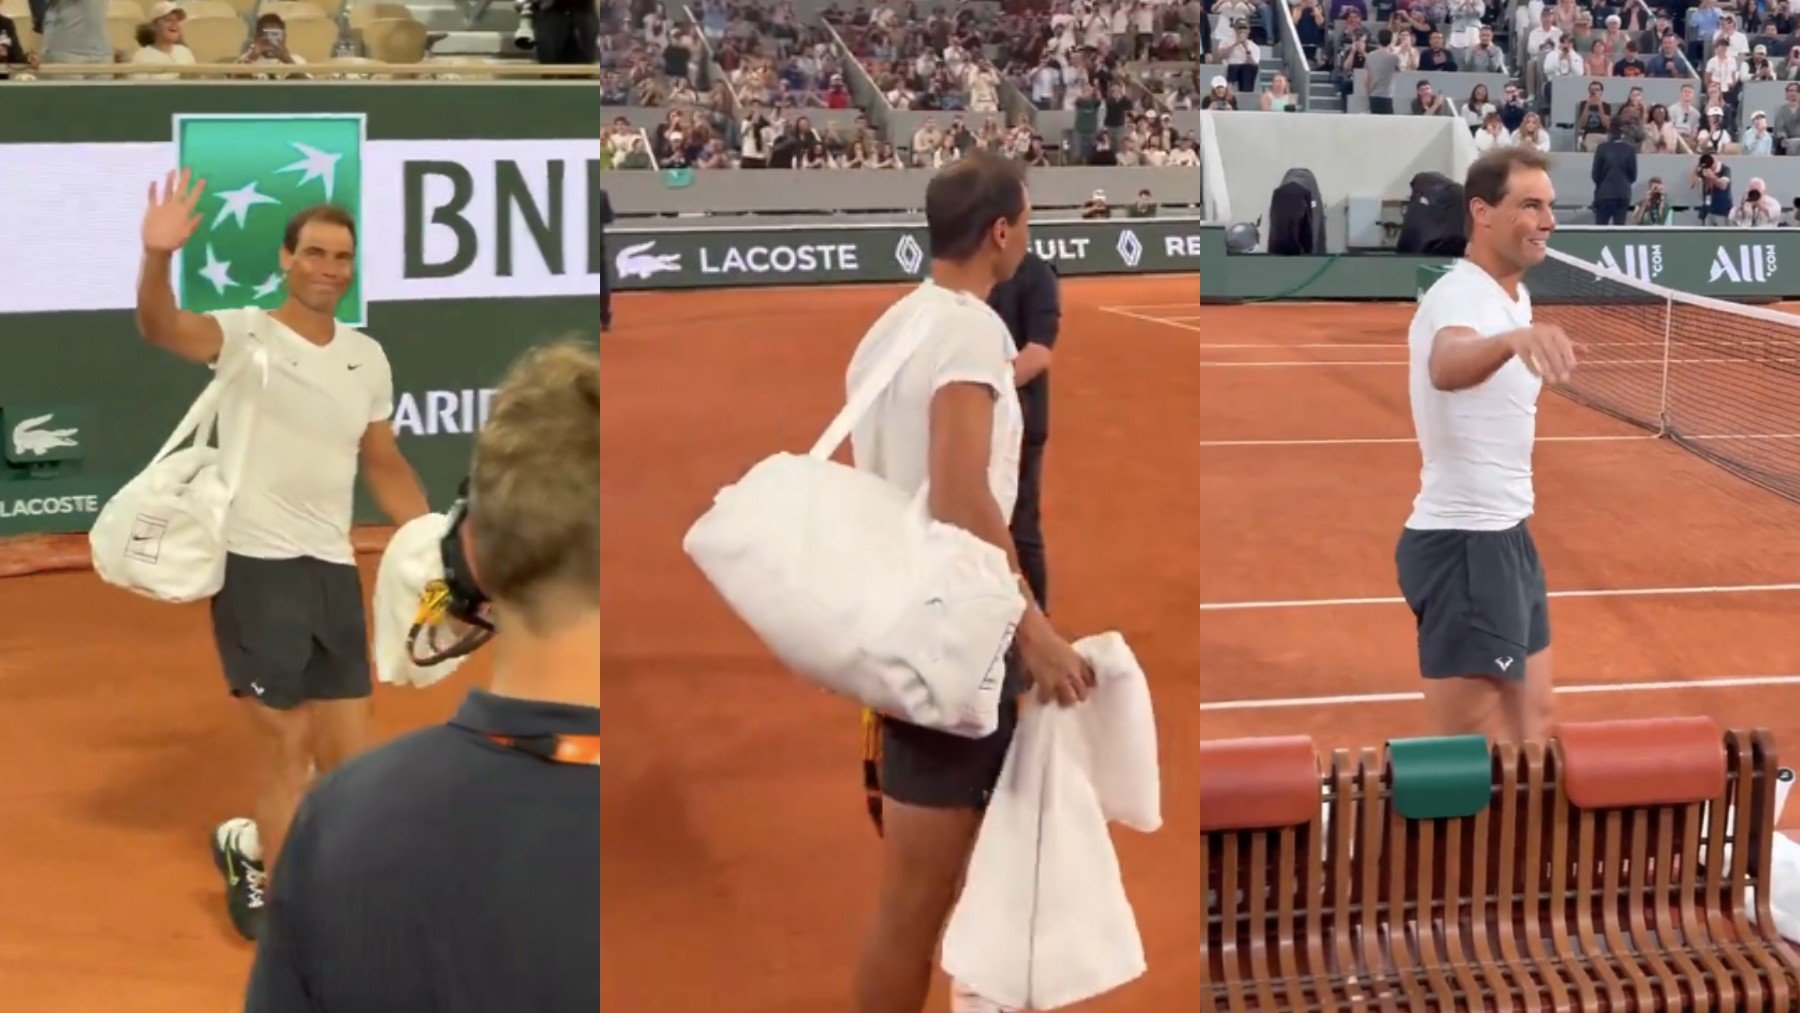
(1504, 663)
(260, 170)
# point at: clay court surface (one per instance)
(122, 751)
(739, 864)
(1675, 585)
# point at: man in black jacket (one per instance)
(1032, 308)
(1614, 174)
(455, 869)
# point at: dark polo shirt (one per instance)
(1032, 308)
(442, 873)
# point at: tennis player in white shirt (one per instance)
(1467, 565)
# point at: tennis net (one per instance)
(1718, 378)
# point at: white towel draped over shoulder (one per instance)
(1043, 920)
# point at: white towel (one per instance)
(1043, 920)
(412, 559)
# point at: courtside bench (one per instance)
(1610, 869)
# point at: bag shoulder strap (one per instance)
(886, 370)
(198, 421)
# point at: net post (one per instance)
(1662, 399)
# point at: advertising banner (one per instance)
(706, 257)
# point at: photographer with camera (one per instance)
(1655, 209)
(1713, 179)
(1758, 210)
(456, 867)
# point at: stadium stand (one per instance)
(1555, 75)
(333, 39)
(890, 84)
(1623, 865)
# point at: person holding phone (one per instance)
(269, 43)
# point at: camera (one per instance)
(1753, 196)
(525, 37)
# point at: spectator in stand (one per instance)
(74, 31)
(1631, 64)
(1096, 206)
(1713, 138)
(1352, 62)
(1492, 134)
(1758, 210)
(1542, 45)
(1731, 36)
(1660, 135)
(1787, 123)
(1614, 173)
(269, 44)
(1758, 67)
(1352, 29)
(1475, 111)
(1599, 61)
(1104, 153)
(1531, 133)
(1278, 98)
(1241, 59)
(1669, 61)
(1686, 117)
(1703, 23)
(1512, 106)
(1313, 31)
(1563, 62)
(1756, 139)
(165, 45)
(12, 49)
(1143, 207)
(1426, 101)
(1485, 57)
(1593, 118)
(1464, 17)
(1723, 69)
(1379, 71)
(1436, 57)
(1341, 9)
(1220, 97)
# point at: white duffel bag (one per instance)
(852, 584)
(163, 535)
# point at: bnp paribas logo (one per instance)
(260, 170)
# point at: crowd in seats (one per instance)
(169, 33)
(645, 60)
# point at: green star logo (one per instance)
(259, 171)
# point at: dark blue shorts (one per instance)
(1478, 599)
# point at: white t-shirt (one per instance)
(297, 494)
(1476, 443)
(967, 343)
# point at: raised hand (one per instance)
(170, 220)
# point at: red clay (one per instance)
(122, 752)
(739, 864)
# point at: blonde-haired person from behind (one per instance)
(454, 869)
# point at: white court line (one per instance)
(1617, 592)
(1731, 682)
(1165, 321)
(1597, 364)
(1158, 306)
(1209, 345)
(1409, 440)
